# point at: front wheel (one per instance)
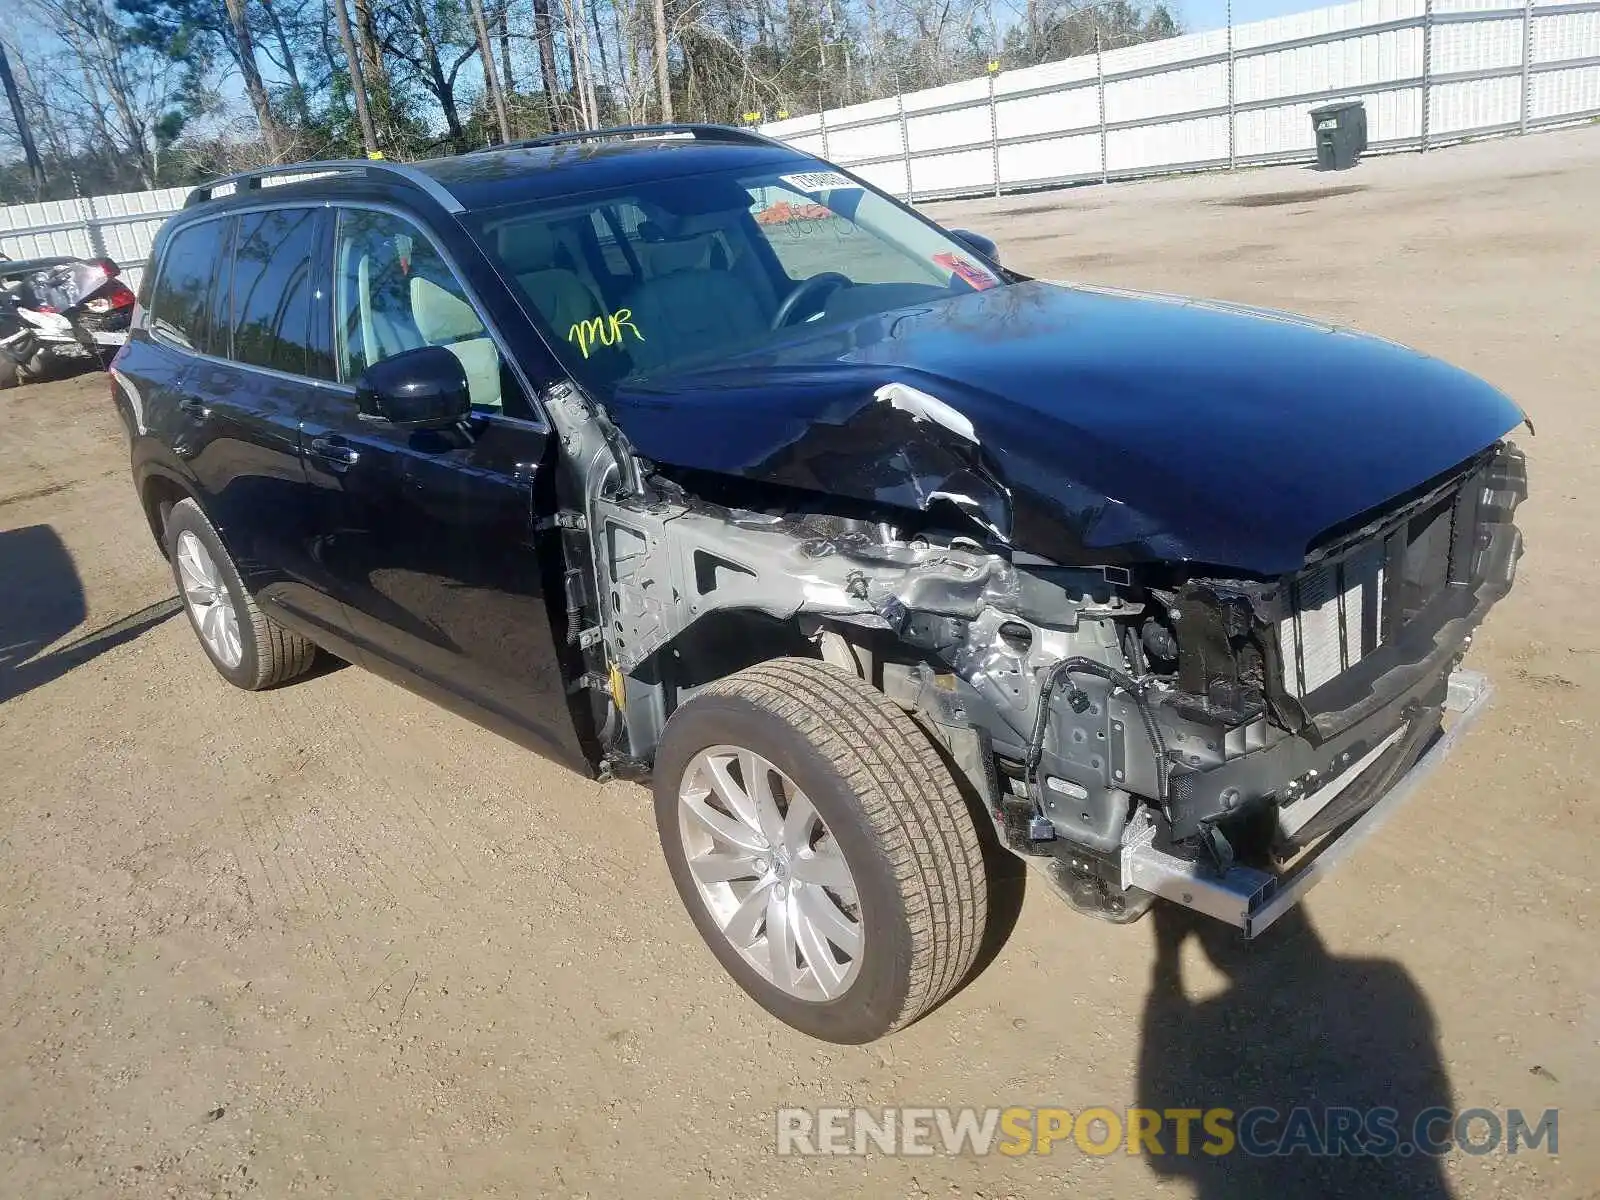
(821, 847)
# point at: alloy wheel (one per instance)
(770, 873)
(210, 605)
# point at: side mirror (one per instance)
(425, 388)
(983, 247)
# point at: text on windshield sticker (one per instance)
(818, 181)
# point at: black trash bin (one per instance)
(1341, 133)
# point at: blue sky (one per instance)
(1200, 15)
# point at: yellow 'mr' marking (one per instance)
(603, 330)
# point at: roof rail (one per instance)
(701, 132)
(245, 181)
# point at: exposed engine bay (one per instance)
(1132, 730)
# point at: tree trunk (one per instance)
(244, 53)
(438, 82)
(490, 81)
(663, 74)
(544, 33)
(503, 33)
(358, 90)
(373, 70)
(282, 39)
(599, 41)
(24, 134)
(578, 34)
(572, 66)
(329, 56)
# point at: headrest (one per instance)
(441, 316)
(680, 254)
(528, 246)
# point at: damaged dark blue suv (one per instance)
(679, 454)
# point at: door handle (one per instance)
(336, 452)
(193, 407)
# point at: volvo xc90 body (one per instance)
(678, 454)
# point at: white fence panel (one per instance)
(1221, 97)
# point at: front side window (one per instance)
(181, 305)
(272, 291)
(393, 291)
(678, 273)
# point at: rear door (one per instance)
(149, 371)
(432, 544)
(266, 358)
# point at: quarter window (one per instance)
(394, 292)
(180, 306)
(272, 291)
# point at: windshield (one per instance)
(677, 273)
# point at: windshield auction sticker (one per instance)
(979, 279)
(818, 181)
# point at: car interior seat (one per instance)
(445, 319)
(535, 256)
(693, 303)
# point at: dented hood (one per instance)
(1084, 425)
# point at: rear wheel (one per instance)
(822, 848)
(246, 646)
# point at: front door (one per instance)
(430, 539)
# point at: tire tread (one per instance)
(280, 654)
(909, 800)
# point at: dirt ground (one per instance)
(331, 941)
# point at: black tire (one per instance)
(269, 653)
(10, 373)
(895, 812)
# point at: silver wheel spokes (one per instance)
(770, 872)
(207, 597)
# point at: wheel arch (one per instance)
(158, 493)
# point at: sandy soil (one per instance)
(330, 940)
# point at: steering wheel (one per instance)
(806, 287)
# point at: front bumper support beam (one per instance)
(1252, 900)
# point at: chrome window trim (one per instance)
(436, 191)
(271, 372)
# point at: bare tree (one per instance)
(369, 136)
(424, 41)
(491, 82)
(545, 35)
(663, 72)
(24, 135)
(244, 46)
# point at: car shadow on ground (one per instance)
(1294, 1027)
(41, 602)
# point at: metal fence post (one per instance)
(91, 226)
(905, 141)
(994, 137)
(1427, 68)
(1100, 90)
(822, 122)
(1233, 116)
(1527, 64)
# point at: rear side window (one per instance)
(180, 307)
(272, 291)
